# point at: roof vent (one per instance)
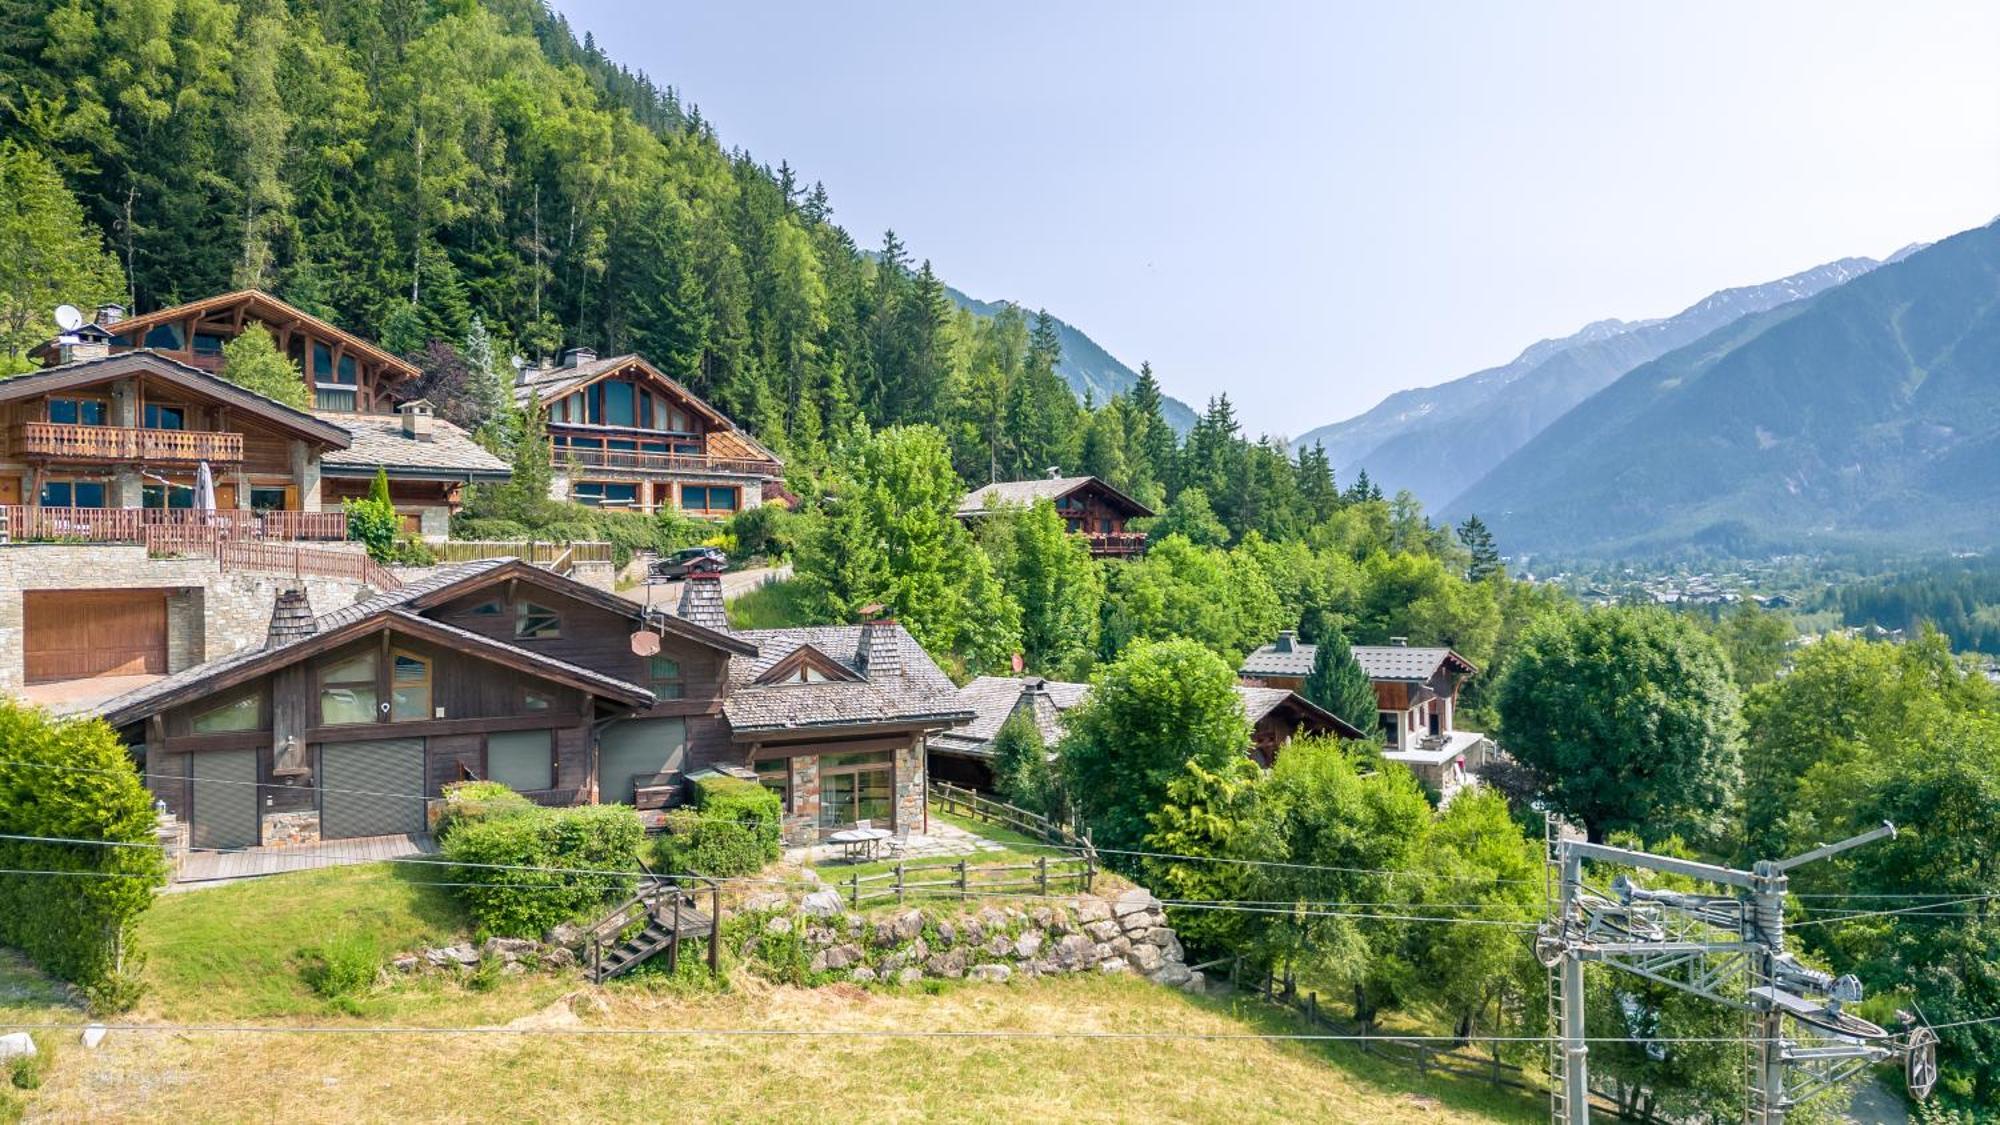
(1054, 471)
(110, 313)
(1399, 642)
(291, 619)
(577, 357)
(701, 601)
(1287, 641)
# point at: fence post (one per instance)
(1042, 874)
(714, 929)
(964, 885)
(1089, 870)
(899, 881)
(1312, 1009)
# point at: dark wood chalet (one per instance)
(627, 436)
(1089, 506)
(350, 723)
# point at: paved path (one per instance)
(200, 869)
(735, 584)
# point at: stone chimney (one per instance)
(83, 342)
(1399, 642)
(1054, 471)
(701, 601)
(1287, 641)
(577, 357)
(109, 314)
(418, 420)
(880, 653)
(291, 619)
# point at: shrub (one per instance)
(732, 830)
(343, 967)
(26, 1071)
(478, 800)
(768, 530)
(506, 898)
(77, 928)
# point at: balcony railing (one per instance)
(629, 460)
(24, 523)
(124, 443)
(1116, 542)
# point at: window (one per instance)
(617, 443)
(677, 421)
(618, 407)
(322, 363)
(347, 691)
(333, 399)
(165, 417)
(536, 623)
(72, 494)
(240, 713)
(166, 336)
(685, 447)
(777, 777)
(177, 496)
(586, 443)
(803, 674)
(856, 787)
(708, 498)
(409, 688)
(485, 609)
(207, 343)
(664, 676)
(605, 494)
(344, 372)
(268, 499)
(522, 760)
(78, 411)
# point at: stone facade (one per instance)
(801, 821)
(911, 786)
(291, 829)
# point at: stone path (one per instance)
(943, 841)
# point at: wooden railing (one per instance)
(124, 443)
(965, 880)
(268, 557)
(961, 801)
(1116, 542)
(559, 557)
(32, 522)
(637, 461)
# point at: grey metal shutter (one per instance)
(225, 799)
(372, 788)
(638, 749)
(522, 760)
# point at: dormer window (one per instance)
(807, 665)
(536, 623)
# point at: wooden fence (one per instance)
(559, 557)
(960, 801)
(269, 558)
(964, 880)
(34, 522)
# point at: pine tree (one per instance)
(1474, 536)
(1338, 684)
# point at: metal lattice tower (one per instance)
(1727, 948)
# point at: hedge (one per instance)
(78, 928)
(732, 830)
(510, 899)
(467, 801)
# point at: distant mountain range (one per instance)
(1085, 365)
(1866, 415)
(1437, 441)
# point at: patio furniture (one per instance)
(858, 842)
(898, 844)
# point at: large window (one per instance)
(78, 411)
(160, 417)
(72, 494)
(333, 398)
(179, 496)
(776, 775)
(409, 688)
(618, 405)
(854, 787)
(708, 498)
(269, 499)
(347, 691)
(536, 623)
(604, 494)
(522, 760)
(241, 713)
(164, 336)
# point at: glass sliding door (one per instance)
(856, 787)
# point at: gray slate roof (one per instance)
(378, 440)
(1293, 657)
(555, 380)
(993, 698)
(1024, 493)
(918, 692)
(1259, 702)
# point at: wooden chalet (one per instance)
(350, 723)
(624, 435)
(1090, 507)
(964, 755)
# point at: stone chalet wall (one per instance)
(210, 613)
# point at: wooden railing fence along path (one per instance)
(960, 801)
(964, 879)
(267, 557)
(559, 557)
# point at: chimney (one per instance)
(110, 313)
(418, 420)
(1286, 642)
(577, 357)
(86, 341)
(701, 601)
(291, 619)
(1399, 642)
(1054, 471)
(880, 653)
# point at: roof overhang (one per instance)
(515, 570)
(417, 472)
(271, 312)
(790, 732)
(124, 365)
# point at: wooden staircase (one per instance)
(656, 920)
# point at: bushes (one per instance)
(76, 928)
(374, 524)
(768, 531)
(342, 968)
(478, 800)
(732, 830)
(507, 899)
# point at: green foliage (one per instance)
(1160, 706)
(343, 966)
(1191, 518)
(1757, 643)
(1477, 540)
(1219, 598)
(505, 896)
(887, 535)
(767, 531)
(1630, 718)
(26, 1072)
(77, 927)
(775, 605)
(1022, 771)
(467, 801)
(1338, 684)
(1059, 587)
(375, 525)
(252, 361)
(49, 255)
(734, 829)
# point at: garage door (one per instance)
(71, 634)
(224, 813)
(635, 752)
(371, 788)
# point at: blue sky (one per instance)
(1309, 205)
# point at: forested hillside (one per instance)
(406, 168)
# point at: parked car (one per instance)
(693, 560)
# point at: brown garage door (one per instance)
(76, 633)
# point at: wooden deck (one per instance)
(201, 869)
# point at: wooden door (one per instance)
(10, 490)
(225, 497)
(73, 634)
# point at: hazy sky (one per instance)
(1309, 205)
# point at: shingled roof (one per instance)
(1024, 493)
(993, 698)
(917, 693)
(378, 440)
(1289, 656)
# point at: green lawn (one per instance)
(774, 605)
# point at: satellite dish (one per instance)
(645, 642)
(68, 318)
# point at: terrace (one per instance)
(29, 523)
(54, 441)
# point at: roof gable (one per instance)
(257, 305)
(495, 571)
(806, 657)
(553, 384)
(1024, 493)
(106, 369)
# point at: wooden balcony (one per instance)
(1116, 544)
(633, 461)
(53, 441)
(28, 523)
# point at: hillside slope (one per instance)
(1085, 365)
(1868, 415)
(1436, 442)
